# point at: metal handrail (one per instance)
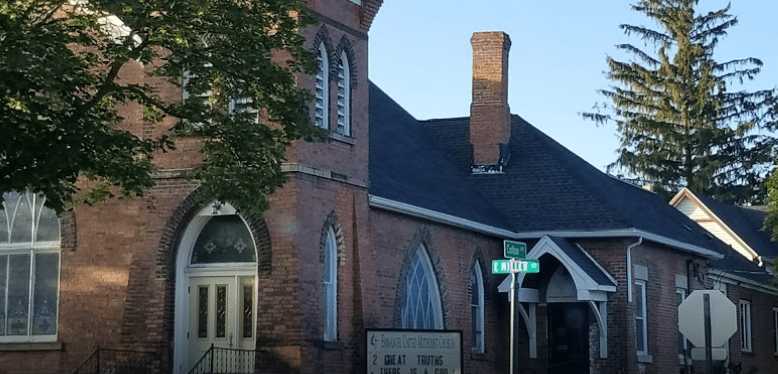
(119, 360)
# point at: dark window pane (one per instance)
(248, 311)
(44, 318)
(3, 273)
(224, 239)
(221, 311)
(202, 312)
(18, 294)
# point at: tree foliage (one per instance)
(681, 116)
(60, 64)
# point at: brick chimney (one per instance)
(490, 118)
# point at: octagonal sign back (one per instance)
(723, 318)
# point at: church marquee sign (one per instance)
(396, 351)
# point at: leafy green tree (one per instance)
(682, 120)
(60, 90)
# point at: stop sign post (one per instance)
(717, 326)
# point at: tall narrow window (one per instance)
(29, 269)
(421, 307)
(683, 345)
(330, 286)
(775, 331)
(745, 325)
(344, 95)
(321, 91)
(477, 307)
(641, 327)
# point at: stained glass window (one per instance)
(421, 308)
(248, 310)
(202, 312)
(221, 310)
(224, 239)
(330, 286)
(29, 268)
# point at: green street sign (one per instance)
(501, 266)
(515, 266)
(512, 249)
(527, 266)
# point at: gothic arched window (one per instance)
(321, 88)
(29, 268)
(330, 283)
(224, 239)
(344, 95)
(477, 307)
(421, 308)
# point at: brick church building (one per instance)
(391, 222)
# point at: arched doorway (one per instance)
(216, 277)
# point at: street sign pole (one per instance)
(708, 348)
(513, 327)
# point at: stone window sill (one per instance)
(342, 138)
(645, 359)
(28, 347)
(478, 356)
(329, 345)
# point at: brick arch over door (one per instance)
(141, 307)
(422, 238)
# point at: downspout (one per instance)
(629, 267)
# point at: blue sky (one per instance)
(420, 55)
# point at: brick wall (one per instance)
(762, 358)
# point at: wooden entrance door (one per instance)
(568, 334)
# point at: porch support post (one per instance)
(530, 320)
(600, 311)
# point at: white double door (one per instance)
(222, 313)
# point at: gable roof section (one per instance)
(546, 187)
(405, 167)
(746, 223)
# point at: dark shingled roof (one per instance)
(545, 187)
(746, 222)
(734, 263)
(406, 167)
(586, 263)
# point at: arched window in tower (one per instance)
(321, 91)
(29, 268)
(421, 308)
(344, 95)
(477, 307)
(330, 283)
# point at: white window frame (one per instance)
(775, 331)
(331, 288)
(344, 96)
(642, 316)
(321, 89)
(744, 314)
(478, 310)
(31, 249)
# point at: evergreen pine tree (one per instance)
(682, 120)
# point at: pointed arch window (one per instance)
(421, 308)
(224, 239)
(29, 268)
(330, 283)
(344, 95)
(477, 307)
(321, 91)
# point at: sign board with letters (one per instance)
(396, 351)
(513, 249)
(515, 266)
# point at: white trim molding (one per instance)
(736, 280)
(452, 220)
